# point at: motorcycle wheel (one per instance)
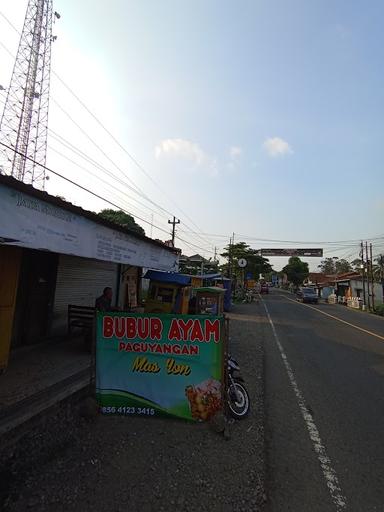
(238, 401)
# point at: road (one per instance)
(324, 407)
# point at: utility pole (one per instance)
(24, 122)
(233, 243)
(173, 222)
(367, 268)
(230, 258)
(372, 280)
(363, 272)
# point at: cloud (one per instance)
(235, 152)
(187, 150)
(275, 146)
(181, 148)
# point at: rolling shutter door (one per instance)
(80, 281)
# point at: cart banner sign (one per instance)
(159, 364)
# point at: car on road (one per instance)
(307, 295)
(264, 288)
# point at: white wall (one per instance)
(377, 290)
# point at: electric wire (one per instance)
(88, 159)
(95, 194)
(133, 159)
(106, 183)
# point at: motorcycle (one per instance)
(237, 395)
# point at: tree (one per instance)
(335, 266)
(356, 265)
(194, 266)
(122, 219)
(296, 270)
(256, 264)
(378, 270)
(343, 266)
(328, 266)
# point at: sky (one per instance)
(259, 118)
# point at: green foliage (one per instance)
(256, 264)
(333, 265)
(121, 218)
(343, 266)
(193, 268)
(379, 309)
(378, 269)
(356, 265)
(296, 270)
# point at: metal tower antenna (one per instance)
(24, 122)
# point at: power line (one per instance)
(194, 245)
(98, 196)
(94, 143)
(347, 243)
(61, 140)
(94, 176)
(133, 159)
(78, 185)
(81, 154)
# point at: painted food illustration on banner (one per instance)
(159, 365)
(204, 399)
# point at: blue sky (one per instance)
(263, 118)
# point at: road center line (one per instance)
(336, 318)
(325, 462)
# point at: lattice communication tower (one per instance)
(24, 122)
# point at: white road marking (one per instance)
(325, 462)
(336, 318)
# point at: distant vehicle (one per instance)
(307, 295)
(264, 288)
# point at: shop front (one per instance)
(53, 254)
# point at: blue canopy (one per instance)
(168, 277)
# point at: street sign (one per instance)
(242, 262)
(292, 252)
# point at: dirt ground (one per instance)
(142, 464)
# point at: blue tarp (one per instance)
(168, 277)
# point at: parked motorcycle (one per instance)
(237, 394)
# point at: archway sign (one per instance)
(318, 253)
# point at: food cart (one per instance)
(168, 292)
(208, 300)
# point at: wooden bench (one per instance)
(81, 317)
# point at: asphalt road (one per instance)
(324, 407)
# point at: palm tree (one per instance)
(378, 270)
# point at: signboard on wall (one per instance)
(159, 365)
(292, 252)
(29, 222)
